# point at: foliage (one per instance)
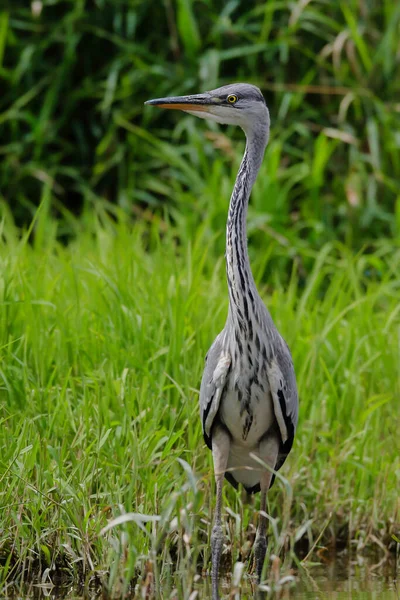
(101, 352)
(75, 75)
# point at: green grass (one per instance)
(102, 344)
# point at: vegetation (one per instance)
(75, 75)
(102, 349)
(112, 280)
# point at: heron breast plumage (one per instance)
(246, 407)
(246, 410)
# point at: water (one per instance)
(343, 579)
(339, 579)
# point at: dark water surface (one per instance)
(338, 579)
(343, 579)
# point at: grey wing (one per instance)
(215, 374)
(282, 381)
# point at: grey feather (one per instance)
(212, 386)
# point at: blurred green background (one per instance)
(74, 76)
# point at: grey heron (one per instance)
(248, 393)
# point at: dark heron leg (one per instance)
(220, 450)
(268, 453)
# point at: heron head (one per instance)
(234, 104)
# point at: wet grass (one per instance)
(103, 468)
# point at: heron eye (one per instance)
(232, 99)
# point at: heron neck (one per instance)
(243, 294)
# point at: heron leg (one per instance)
(268, 452)
(220, 451)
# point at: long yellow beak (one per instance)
(197, 102)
